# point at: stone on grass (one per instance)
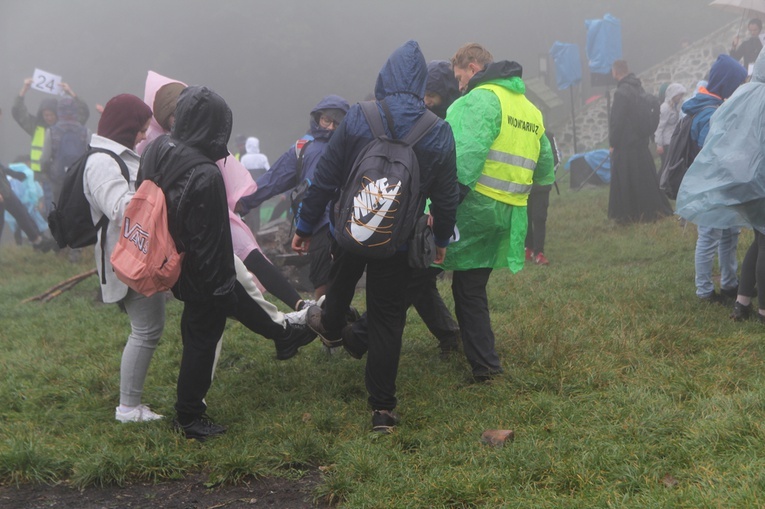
(497, 437)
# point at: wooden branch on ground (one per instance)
(56, 290)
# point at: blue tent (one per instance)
(568, 66)
(604, 43)
(597, 164)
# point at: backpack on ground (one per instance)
(70, 221)
(380, 202)
(649, 112)
(145, 257)
(301, 184)
(680, 154)
(69, 142)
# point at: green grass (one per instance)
(615, 378)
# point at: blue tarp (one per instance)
(568, 66)
(604, 43)
(595, 159)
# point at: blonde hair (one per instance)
(620, 67)
(472, 52)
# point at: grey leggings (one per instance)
(147, 320)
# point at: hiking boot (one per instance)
(384, 421)
(529, 255)
(740, 312)
(540, 259)
(296, 335)
(352, 345)
(141, 413)
(313, 319)
(200, 428)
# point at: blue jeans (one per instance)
(724, 242)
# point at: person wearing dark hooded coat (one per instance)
(401, 84)
(441, 89)
(635, 196)
(198, 221)
(296, 165)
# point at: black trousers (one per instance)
(271, 278)
(753, 270)
(537, 206)
(471, 305)
(386, 284)
(422, 292)
(202, 325)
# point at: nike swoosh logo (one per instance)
(383, 200)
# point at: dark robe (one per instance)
(635, 195)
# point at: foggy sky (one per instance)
(273, 61)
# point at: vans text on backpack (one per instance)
(70, 221)
(380, 202)
(145, 257)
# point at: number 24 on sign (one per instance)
(46, 82)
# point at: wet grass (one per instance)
(622, 389)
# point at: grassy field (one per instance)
(622, 390)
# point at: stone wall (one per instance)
(687, 67)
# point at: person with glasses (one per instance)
(297, 165)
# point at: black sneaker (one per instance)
(729, 294)
(712, 298)
(355, 347)
(740, 312)
(200, 428)
(45, 244)
(313, 319)
(384, 421)
(297, 335)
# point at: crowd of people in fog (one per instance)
(485, 166)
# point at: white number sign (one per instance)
(46, 82)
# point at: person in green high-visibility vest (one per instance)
(501, 152)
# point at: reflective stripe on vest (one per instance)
(509, 168)
(35, 154)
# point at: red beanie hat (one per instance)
(123, 117)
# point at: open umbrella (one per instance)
(743, 6)
(747, 8)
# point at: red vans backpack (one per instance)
(145, 257)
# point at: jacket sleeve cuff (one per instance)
(303, 229)
(442, 242)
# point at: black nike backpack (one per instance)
(380, 202)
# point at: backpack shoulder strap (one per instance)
(424, 124)
(118, 159)
(372, 114)
(300, 146)
(104, 221)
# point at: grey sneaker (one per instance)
(384, 421)
(313, 319)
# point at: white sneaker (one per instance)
(141, 413)
(297, 317)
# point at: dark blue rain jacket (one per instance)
(401, 83)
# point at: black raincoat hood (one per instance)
(496, 70)
(203, 121)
